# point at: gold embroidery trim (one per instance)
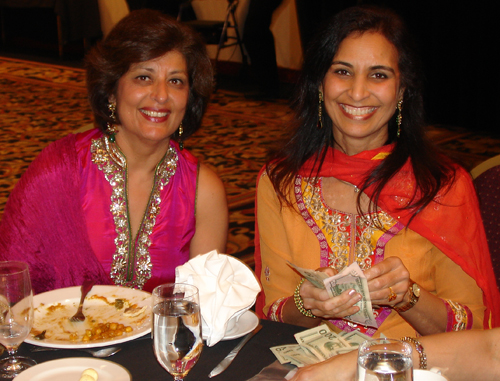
(340, 229)
(460, 316)
(131, 265)
(273, 313)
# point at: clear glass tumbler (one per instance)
(385, 360)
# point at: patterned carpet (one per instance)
(42, 103)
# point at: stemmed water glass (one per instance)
(177, 328)
(16, 315)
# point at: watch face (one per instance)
(416, 290)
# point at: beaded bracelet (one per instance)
(419, 348)
(299, 303)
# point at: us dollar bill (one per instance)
(317, 344)
(294, 354)
(354, 338)
(321, 341)
(352, 277)
(315, 277)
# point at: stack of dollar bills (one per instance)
(318, 344)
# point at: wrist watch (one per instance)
(413, 294)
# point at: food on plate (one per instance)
(105, 331)
(38, 336)
(134, 311)
(109, 315)
(129, 310)
(89, 375)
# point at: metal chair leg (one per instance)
(230, 14)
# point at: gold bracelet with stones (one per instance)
(299, 303)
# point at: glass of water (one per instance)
(385, 360)
(16, 315)
(177, 327)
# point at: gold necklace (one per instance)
(356, 189)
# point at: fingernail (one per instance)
(352, 292)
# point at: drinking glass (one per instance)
(16, 315)
(385, 360)
(177, 328)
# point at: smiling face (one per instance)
(151, 100)
(361, 90)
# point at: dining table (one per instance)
(138, 358)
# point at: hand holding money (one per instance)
(352, 277)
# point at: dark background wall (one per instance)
(459, 46)
(458, 42)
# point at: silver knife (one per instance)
(230, 357)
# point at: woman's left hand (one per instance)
(388, 282)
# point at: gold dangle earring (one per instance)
(181, 143)
(320, 110)
(111, 128)
(400, 116)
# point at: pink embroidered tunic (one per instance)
(68, 217)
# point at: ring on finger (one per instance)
(392, 296)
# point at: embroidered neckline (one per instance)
(316, 213)
(334, 229)
(131, 266)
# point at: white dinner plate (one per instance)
(247, 323)
(54, 308)
(72, 368)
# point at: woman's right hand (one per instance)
(321, 305)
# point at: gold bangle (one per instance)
(419, 348)
(299, 303)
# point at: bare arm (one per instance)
(211, 214)
(465, 355)
(428, 316)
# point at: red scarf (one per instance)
(453, 224)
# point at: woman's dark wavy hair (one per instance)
(141, 36)
(432, 171)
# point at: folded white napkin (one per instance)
(227, 286)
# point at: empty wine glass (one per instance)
(177, 328)
(16, 315)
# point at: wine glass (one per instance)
(385, 359)
(177, 327)
(16, 315)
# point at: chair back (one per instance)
(487, 183)
(111, 11)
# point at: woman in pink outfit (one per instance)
(124, 203)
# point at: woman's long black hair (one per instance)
(432, 171)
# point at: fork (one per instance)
(86, 287)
